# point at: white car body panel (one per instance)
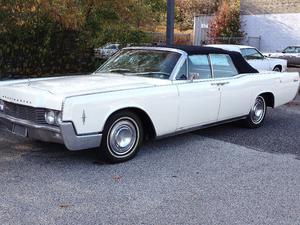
(235, 97)
(198, 103)
(266, 64)
(160, 107)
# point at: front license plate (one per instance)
(19, 130)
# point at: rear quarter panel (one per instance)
(287, 88)
(284, 86)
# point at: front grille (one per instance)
(35, 115)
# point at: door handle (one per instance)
(219, 84)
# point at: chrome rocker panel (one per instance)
(65, 134)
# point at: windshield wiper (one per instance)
(167, 75)
(119, 70)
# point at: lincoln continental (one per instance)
(143, 93)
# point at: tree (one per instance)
(58, 36)
(226, 23)
(187, 9)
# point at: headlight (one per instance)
(1, 105)
(58, 119)
(53, 117)
(50, 117)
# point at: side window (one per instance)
(290, 50)
(222, 66)
(251, 53)
(199, 67)
(182, 74)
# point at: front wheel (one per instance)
(277, 69)
(122, 137)
(257, 114)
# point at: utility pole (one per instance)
(170, 22)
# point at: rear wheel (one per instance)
(122, 137)
(257, 114)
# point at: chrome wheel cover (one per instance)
(277, 69)
(122, 137)
(258, 111)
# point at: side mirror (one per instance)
(193, 76)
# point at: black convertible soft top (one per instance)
(240, 63)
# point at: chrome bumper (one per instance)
(65, 134)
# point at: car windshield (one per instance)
(142, 62)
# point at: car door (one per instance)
(234, 88)
(256, 59)
(199, 100)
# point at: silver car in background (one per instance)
(291, 54)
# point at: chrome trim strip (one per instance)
(187, 130)
(178, 66)
(29, 124)
(211, 67)
(128, 89)
(73, 142)
(158, 49)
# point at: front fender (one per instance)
(89, 113)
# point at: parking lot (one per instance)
(222, 175)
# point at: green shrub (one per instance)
(226, 23)
(44, 37)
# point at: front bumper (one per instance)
(65, 134)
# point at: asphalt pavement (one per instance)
(280, 133)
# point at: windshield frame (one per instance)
(176, 68)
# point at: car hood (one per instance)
(37, 92)
(88, 83)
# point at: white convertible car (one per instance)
(143, 92)
(255, 58)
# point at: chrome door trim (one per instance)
(200, 127)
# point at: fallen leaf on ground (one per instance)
(117, 178)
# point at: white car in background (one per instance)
(255, 58)
(107, 50)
